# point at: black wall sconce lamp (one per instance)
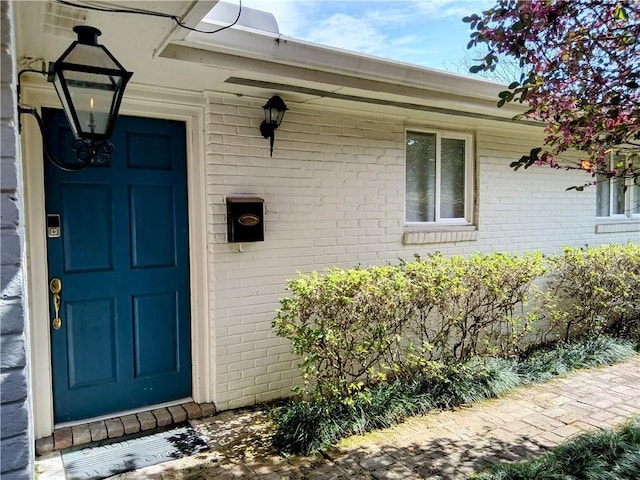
(90, 83)
(273, 114)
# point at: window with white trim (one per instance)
(439, 178)
(618, 197)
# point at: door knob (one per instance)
(55, 286)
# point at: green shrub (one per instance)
(595, 290)
(355, 327)
(474, 306)
(346, 326)
(378, 344)
(352, 328)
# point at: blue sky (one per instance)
(423, 32)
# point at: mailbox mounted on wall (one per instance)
(245, 219)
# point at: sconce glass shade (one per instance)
(90, 83)
(274, 111)
(273, 114)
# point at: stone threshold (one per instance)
(116, 427)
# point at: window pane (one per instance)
(635, 188)
(421, 177)
(452, 178)
(617, 185)
(603, 196)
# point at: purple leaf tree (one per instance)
(581, 76)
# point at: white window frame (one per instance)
(630, 196)
(469, 164)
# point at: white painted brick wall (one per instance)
(334, 195)
(16, 460)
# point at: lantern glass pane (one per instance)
(57, 83)
(93, 108)
(92, 96)
(273, 115)
(90, 55)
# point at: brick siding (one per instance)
(334, 195)
(15, 411)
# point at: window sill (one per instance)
(439, 234)
(618, 226)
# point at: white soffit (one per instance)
(313, 95)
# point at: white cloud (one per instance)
(450, 8)
(292, 16)
(350, 33)
(405, 40)
(423, 32)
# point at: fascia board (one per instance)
(289, 51)
(191, 17)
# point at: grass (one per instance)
(608, 455)
(543, 364)
(303, 427)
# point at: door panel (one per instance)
(152, 235)
(92, 339)
(88, 237)
(123, 259)
(149, 150)
(156, 355)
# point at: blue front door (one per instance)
(123, 262)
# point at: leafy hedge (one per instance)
(595, 290)
(378, 344)
(356, 327)
(466, 307)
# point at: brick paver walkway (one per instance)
(446, 445)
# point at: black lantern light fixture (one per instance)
(273, 114)
(90, 83)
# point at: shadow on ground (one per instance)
(443, 457)
(241, 448)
